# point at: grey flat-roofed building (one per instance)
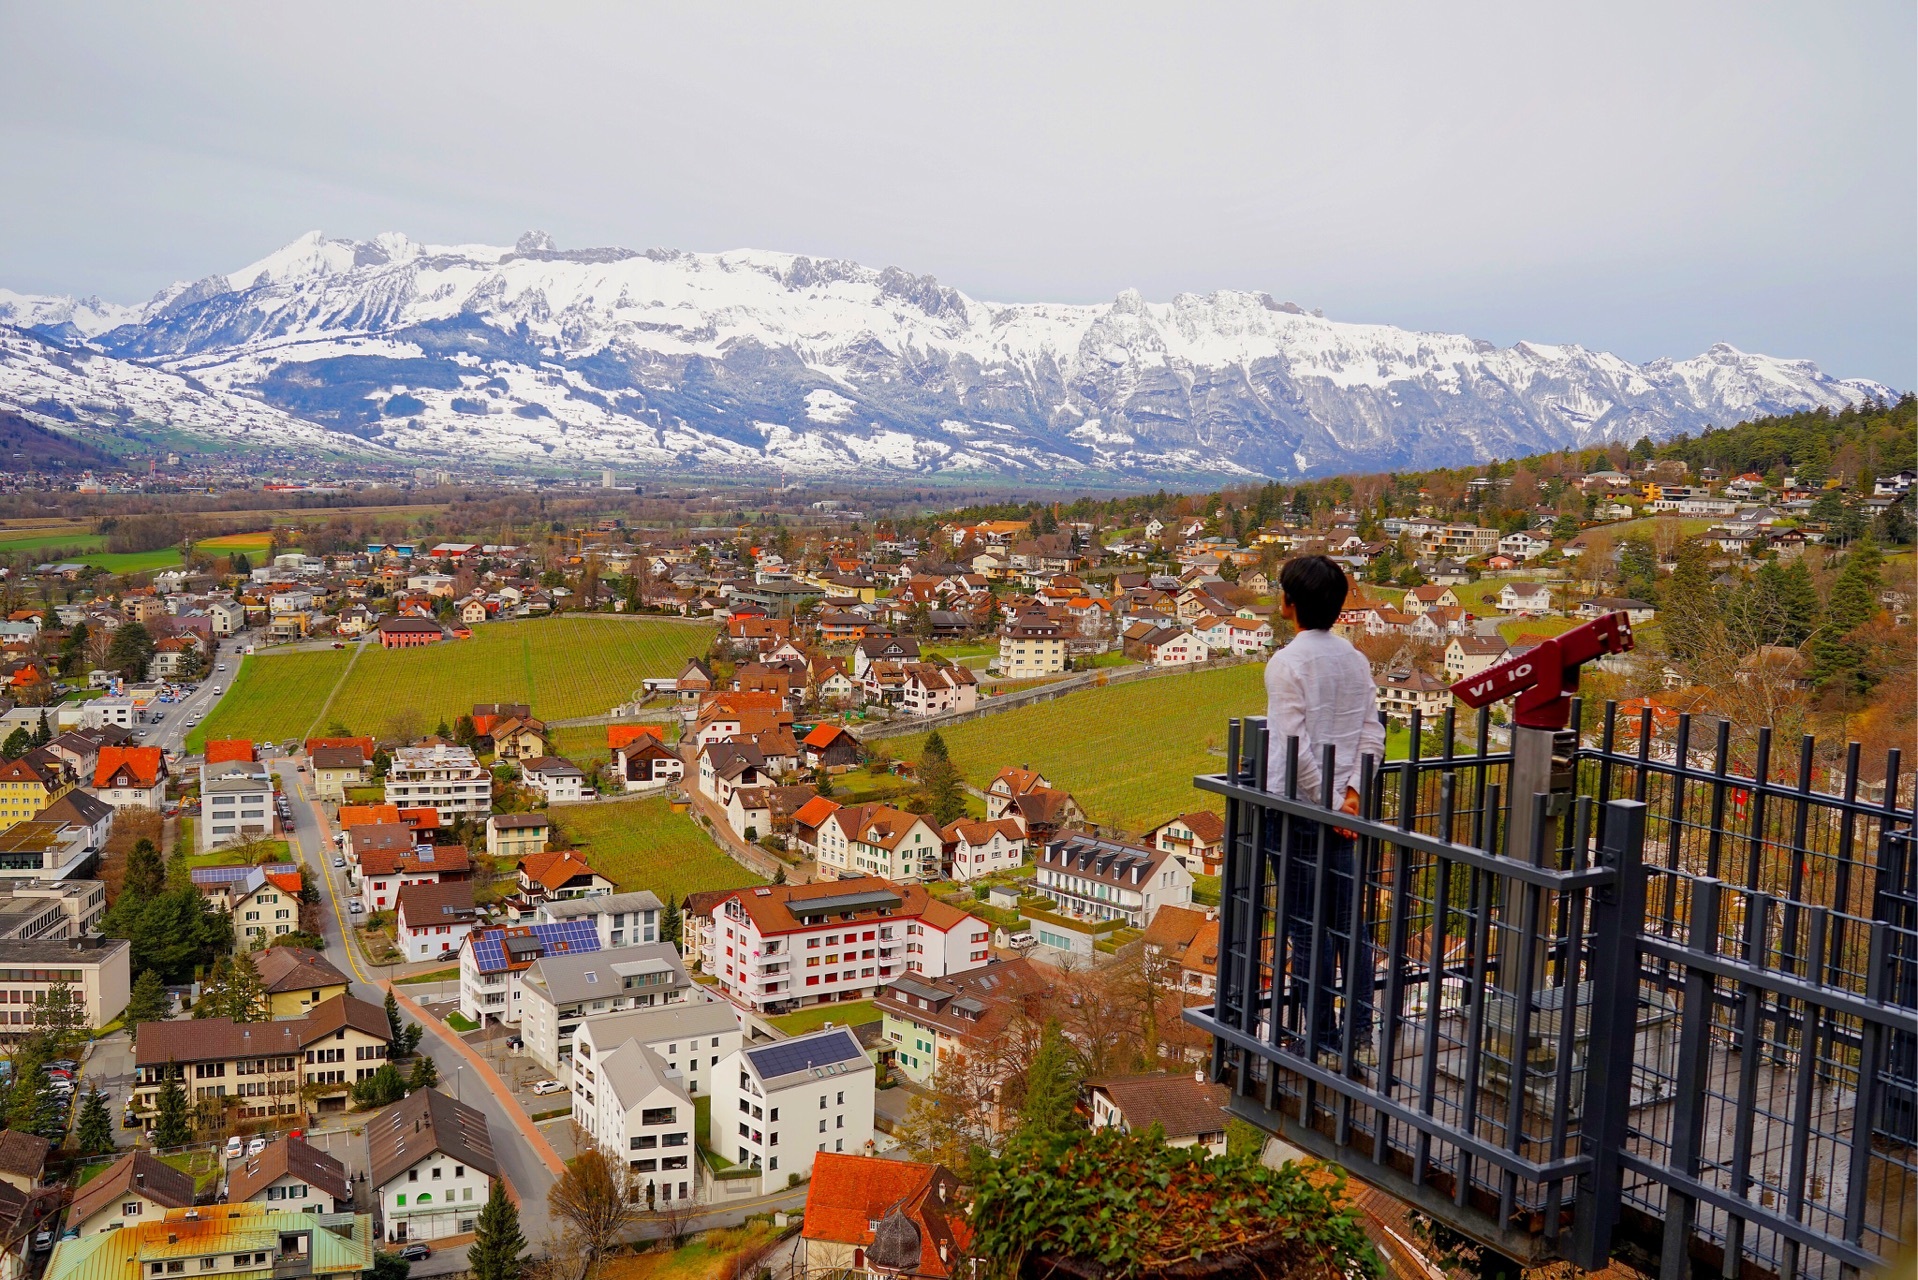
(558, 991)
(692, 1036)
(623, 919)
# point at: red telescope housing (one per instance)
(1545, 677)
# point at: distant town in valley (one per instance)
(382, 852)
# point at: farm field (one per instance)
(643, 844)
(565, 667)
(134, 561)
(28, 541)
(226, 544)
(273, 696)
(1127, 753)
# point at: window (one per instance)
(659, 1115)
(644, 1142)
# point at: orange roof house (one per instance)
(128, 767)
(893, 1215)
(621, 735)
(369, 815)
(424, 818)
(221, 750)
(366, 745)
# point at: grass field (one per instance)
(135, 561)
(273, 696)
(228, 543)
(565, 667)
(1127, 753)
(1536, 627)
(850, 1014)
(643, 844)
(25, 542)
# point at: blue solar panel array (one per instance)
(560, 938)
(227, 875)
(788, 1056)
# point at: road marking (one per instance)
(326, 870)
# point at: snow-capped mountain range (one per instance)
(749, 361)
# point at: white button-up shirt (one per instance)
(1319, 689)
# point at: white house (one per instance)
(1179, 648)
(446, 777)
(1525, 597)
(431, 1162)
(559, 780)
(620, 919)
(236, 801)
(1524, 546)
(559, 990)
(494, 961)
(1402, 692)
(639, 1112)
(930, 689)
(974, 849)
(691, 1036)
(877, 840)
(433, 919)
(775, 1106)
(1094, 879)
(292, 1174)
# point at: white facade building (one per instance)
(558, 991)
(431, 1159)
(636, 1110)
(448, 778)
(776, 1106)
(691, 1037)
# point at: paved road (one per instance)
(170, 734)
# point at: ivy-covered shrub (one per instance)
(1117, 1206)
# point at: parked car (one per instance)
(234, 1147)
(256, 1146)
(415, 1252)
(43, 1240)
(544, 1087)
(220, 667)
(355, 907)
(339, 862)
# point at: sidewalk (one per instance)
(537, 1140)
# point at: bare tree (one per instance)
(594, 1199)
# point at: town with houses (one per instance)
(334, 987)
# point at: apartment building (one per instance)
(494, 961)
(620, 919)
(692, 1037)
(36, 910)
(1095, 879)
(776, 1106)
(931, 1021)
(780, 946)
(221, 1241)
(1031, 645)
(876, 840)
(636, 1110)
(556, 992)
(1404, 691)
(1457, 542)
(236, 803)
(267, 1068)
(446, 777)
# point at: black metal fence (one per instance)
(1680, 1019)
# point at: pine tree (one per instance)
(1838, 656)
(1052, 1087)
(43, 734)
(669, 921)
(497, 1241)
(934, 748)
(1691, 604)
(945, 800)
(96, 1126)
(59, 1016)
(393, 1022)
(172, 1129)
(426, 1074)
(148, 1001)
(146, 871)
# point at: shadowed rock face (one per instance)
(751, 361)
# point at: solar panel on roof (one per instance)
(789, 1056)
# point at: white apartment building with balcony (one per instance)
(448, 778)
(780, 946)
(776, 1106)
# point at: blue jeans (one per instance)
(1331, 874)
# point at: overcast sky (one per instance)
(1643, 179)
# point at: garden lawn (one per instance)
(134, 561)
(273, 696)
(643, 844)
(814, 1016)
(276, 851)
(565, 667)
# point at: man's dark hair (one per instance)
(1315, 586)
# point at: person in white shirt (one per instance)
(1319, 691)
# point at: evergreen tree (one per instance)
(935, 747)
(130, 650)
(443, 732)
(426, 1074)
(1838, 653)
(394, 1023)
(235, 991)
(172, 1129)
(1798, 607)
(497, 1241)
(1691, 606)
(1052, 1088)
(1638, 569)
(823, 781)
(18, 743)
(43, 734)
(669, 921)
(939, 780)
(240, 564)
(382, 1088)
(148, 1001)
(59, 1016)
(146, 872)
(96, 1126)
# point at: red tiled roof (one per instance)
(847, 1195)
(220, 750)
(619, 735)
(824, 736)
(141, 763)
(815, 811)
(369, 815)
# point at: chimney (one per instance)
(139, 1178)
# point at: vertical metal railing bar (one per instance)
(1282, 909)
(1865, 1101)
(1675, 829)
(1721, 768)
(1228, 972)
(1358, 940)
(1694, 1061)
(1262, 820)
(1758, 912)
(1394, 950)
(1435, 967)
(1755, 849)
(1841, 889)
(1569, 968)
(1643, 777)
(1245, 919)
(1808, 1071)
(1618, 915)
(1481, 928)
(1321, 890)
(1519, 1043)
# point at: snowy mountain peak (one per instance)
(752, 358)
